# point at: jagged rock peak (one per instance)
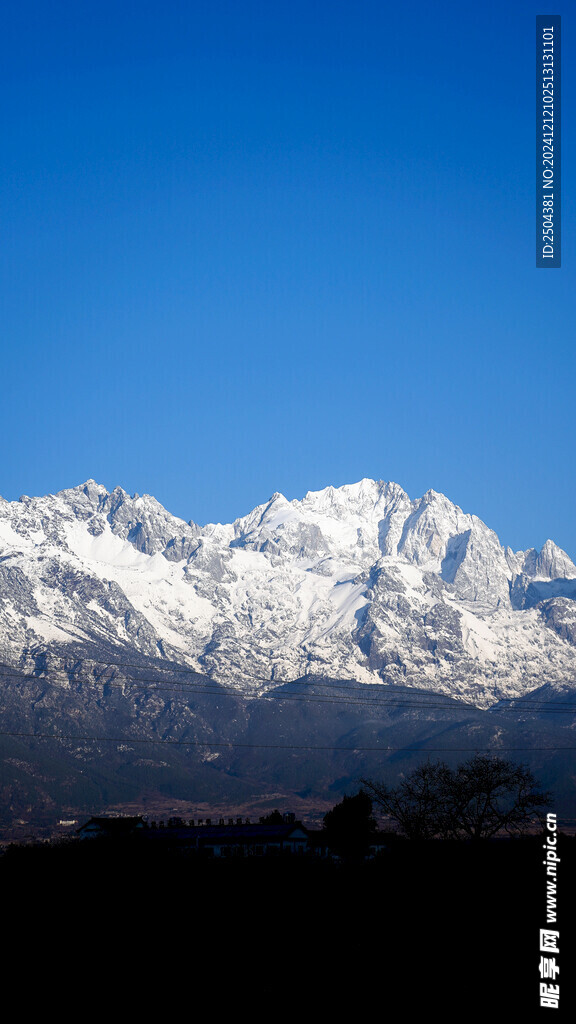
(553, 562)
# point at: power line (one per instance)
(317, 698)
(422, 698)
(127, 741)
(418, 703)
(279, 682)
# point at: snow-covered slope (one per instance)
(357, 582)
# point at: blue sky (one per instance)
(267, 247)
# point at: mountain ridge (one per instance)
(358, 581)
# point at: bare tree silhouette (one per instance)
(481, 798)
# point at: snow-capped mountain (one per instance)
(354, 583)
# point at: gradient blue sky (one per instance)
(255, 247)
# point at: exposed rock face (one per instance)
(357, 582)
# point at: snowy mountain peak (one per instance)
(553, 562)
(357, 581)
(363, 495)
